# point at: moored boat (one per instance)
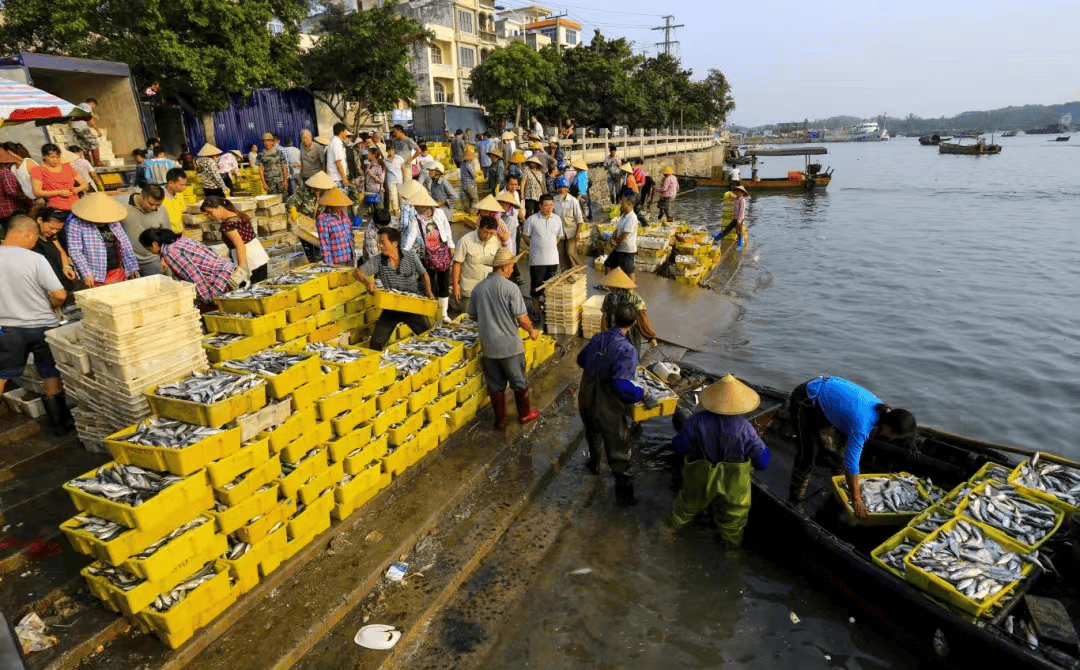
(932, 140)
(977, 149)
(812, 177)
(1063, 139)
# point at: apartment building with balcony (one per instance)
(536, 26)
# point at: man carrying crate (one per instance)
(397, 270)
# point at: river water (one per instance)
(945, 284)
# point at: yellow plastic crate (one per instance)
(284, 299)
(198, 608)
(338, 449)
(545, 349)
(883, 519)
(445, 362)
(421, 397)
(371, 314)
(280, 385)
(345, 423)
(214, 415)
(448, 380)
(293, 427)
(892, 543)
(359, 305)
(1059, 515)
(133, 600)
(427, 438)
(1038, 494)
(329, 315)
(319, 483)
(313, 288)
(922, 516)
(364, 479)
(354, 371)
(325, 333)
(255, 531)
(440, 406)
(256, 478)
(465, 411)
(343, 275)
(410, 426)
(166, 459)
(121, 547)
(241, 348)
(302, 328)
(314, 465)
(393, 393)
(665, 408)
(314, 518)
(351, 322)
(182, 553)
(991, 470)
(302, 310)
(407, 303)
(380, 378)
(154, 514)
(459, 416)
(397, 460)
(293, 346)
(308, 394)
(244, 571)
(218, 322)
(308, 440)
(274, 553)
(240, 514)
(473, 368)
(469, 388)
(339, 401)
(356, 497)
(939, 588)
(337, 297)
(396, 413)
(355, 461)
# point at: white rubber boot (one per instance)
(444, 307)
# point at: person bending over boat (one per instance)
(720, 448)
(827, 402)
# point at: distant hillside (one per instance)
(1006, 118)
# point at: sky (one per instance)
(789, 61)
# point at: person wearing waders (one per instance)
(720, 448)
(609, 363)
(832, 402)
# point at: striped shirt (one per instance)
(405, 278)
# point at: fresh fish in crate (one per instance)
(890, 495)
(997, 472)
(933, 522)
(426, 347)
(268, 362)
(1002, 507)
(256, 291)
(288, 279)
(406, 364)
(332, 354)
(346, 479)
(118, 577)
(1060, 481)
(647, 383)
(974, 564)
(236, 549)
(155, 432)
(152, 549)
(895, 558)
(287, 468)
(958, 498)
(219, 340)
(165, 601)
(127, 484)
(102, 529)
(239, 478)
(320, 268)
(469, 337)
(208, 387)
(468, 322)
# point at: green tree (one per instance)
(597, 84)
(359, 61)
(666, 92)
(199, 51)
(512, 79)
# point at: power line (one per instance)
(667, 28)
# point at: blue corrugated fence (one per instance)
(284, 113)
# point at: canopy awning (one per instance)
(21, 102)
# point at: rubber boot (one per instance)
(95, 157)
(444, 307)
(60, 419)
(624, 489)
(797, 492)
(525, 415)
(498, 404)
(593, 464)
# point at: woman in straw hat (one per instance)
(98, 246)
(535, 185)
(467, 176)
(630, 187)
(55, 180)
(580, 186)
(335, 228)
(720, 449)
(738, 215)
(239, 236)
(411, 240)
(620, 288)
(208, 170)
(514, 166)
(305, 201)
(669, 188)
(496, 172)
(438, 247)
(190, 261)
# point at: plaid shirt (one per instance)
(468, 175)
(195, 263)
(88, 252)
(11, 194)
(669, 187)
(738, 209)
(335, 238)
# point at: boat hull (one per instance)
(770, 185)
(968, 149)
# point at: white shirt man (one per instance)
(336, 163)
(568, 209)
(542, 232)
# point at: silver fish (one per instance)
(1002, 507)
(287, 468)
(329, 352)
(103, 529)
(268, 362)
(256, 291)
(426, 347)
(466, 335)
(289, 279)
(1060, 481)
(468, 322)
(647, 383)
(975, 565)
(236, 549)
(156, 432)
(152, 549)
(218, 340)
(165, 601)
(346, 479)
(890, 495)
(958, 496)
(209, 387)
(895, 558)
(933, 522)
(127, 484)
(118, 577)
(320, 268)
(406, 364)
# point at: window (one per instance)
(466, 57)
(440, 93)
(275, 26)
(571, 37)
(436, 55)
(465, 21)
(548, 33)
(465, 93)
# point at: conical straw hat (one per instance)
(322, 139)
(8, 157)
(99, 208)
(335, 198)
(504, 257)
(508, 135)
(509, 197)
(320, 180)
(729, 396)
(669, 170)
(489, 204)
(208, 150)
(422, 199)
(617, 279)
(625, 167)
(409, 188)
(517, 157)
(579, 164)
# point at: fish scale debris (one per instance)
(1060, 481)
(208, 387)
(1002, 507)
(268, 362)
(165, 601)
(152, 549)
(895, 558)
(972, 563)
(332, 354)
(219, 340)
(102, 529)
(256, 291)
(127, 484)
(890, 495)
(155, 432)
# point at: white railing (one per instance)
(595, 149)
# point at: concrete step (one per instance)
(287, 614)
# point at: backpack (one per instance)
(437, 253)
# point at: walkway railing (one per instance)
(595, 150)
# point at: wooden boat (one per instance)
(815, 537)
(1063, 139)
(932, 140)
(978, 149)
(813, 177)
(1010, 133)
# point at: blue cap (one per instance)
(562, 183)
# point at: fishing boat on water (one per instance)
(811, 177)
(1063, 139)
(979, 148)
(932, 140)
(1031, 625)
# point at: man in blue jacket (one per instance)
(857, 413)
(609, 363)
(720, 448)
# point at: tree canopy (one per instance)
(359, 60)
(512, 79)
(198, 51)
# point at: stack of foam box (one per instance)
(563, 302)
(133, 336)
(591, 316)
(269, 215)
